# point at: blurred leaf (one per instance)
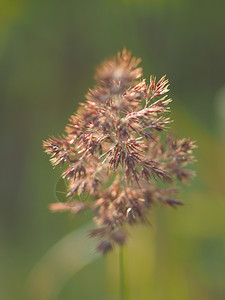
(60, 263)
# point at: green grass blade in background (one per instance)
(60, 263)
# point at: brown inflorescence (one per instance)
(117, 149)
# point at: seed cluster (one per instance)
(117, 148)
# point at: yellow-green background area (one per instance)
(48, 53)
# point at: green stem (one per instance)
(122, 288)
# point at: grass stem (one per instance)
(122, 283)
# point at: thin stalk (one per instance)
(122, 285)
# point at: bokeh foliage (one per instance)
(48, 53)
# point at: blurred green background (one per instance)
(48, 53)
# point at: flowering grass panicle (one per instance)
(117, 148)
